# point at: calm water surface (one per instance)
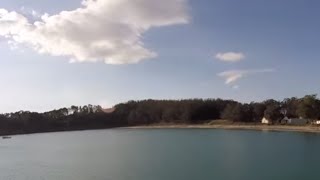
(124, 154)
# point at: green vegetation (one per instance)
(133, 113)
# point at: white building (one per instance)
(265, 121)
(297, 121)
(285, 120)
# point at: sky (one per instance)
(110, 51)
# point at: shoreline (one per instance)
(248, 127)
(277, 128)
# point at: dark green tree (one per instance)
(273, 111)
(309, 107)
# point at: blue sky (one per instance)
(279, 36)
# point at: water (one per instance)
(124, 154)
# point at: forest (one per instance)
(147, 112)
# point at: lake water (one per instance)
(190, 154)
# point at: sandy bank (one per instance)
(308, 129)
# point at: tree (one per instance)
(290, 107)
(85, 109)
(257, 111)
(90, 108)
(234, 112)
(309, 107)
(74, 109)
(273, 110)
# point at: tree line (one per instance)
(64, 119)
(197, 111)
(146, 112)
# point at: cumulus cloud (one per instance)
(230, 56)
(234, 75)
(100, 30)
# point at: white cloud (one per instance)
(35, 14)
(236, 87)
(100, 30)
(230, 56)
(234, 75)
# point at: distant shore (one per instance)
(259, 127)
